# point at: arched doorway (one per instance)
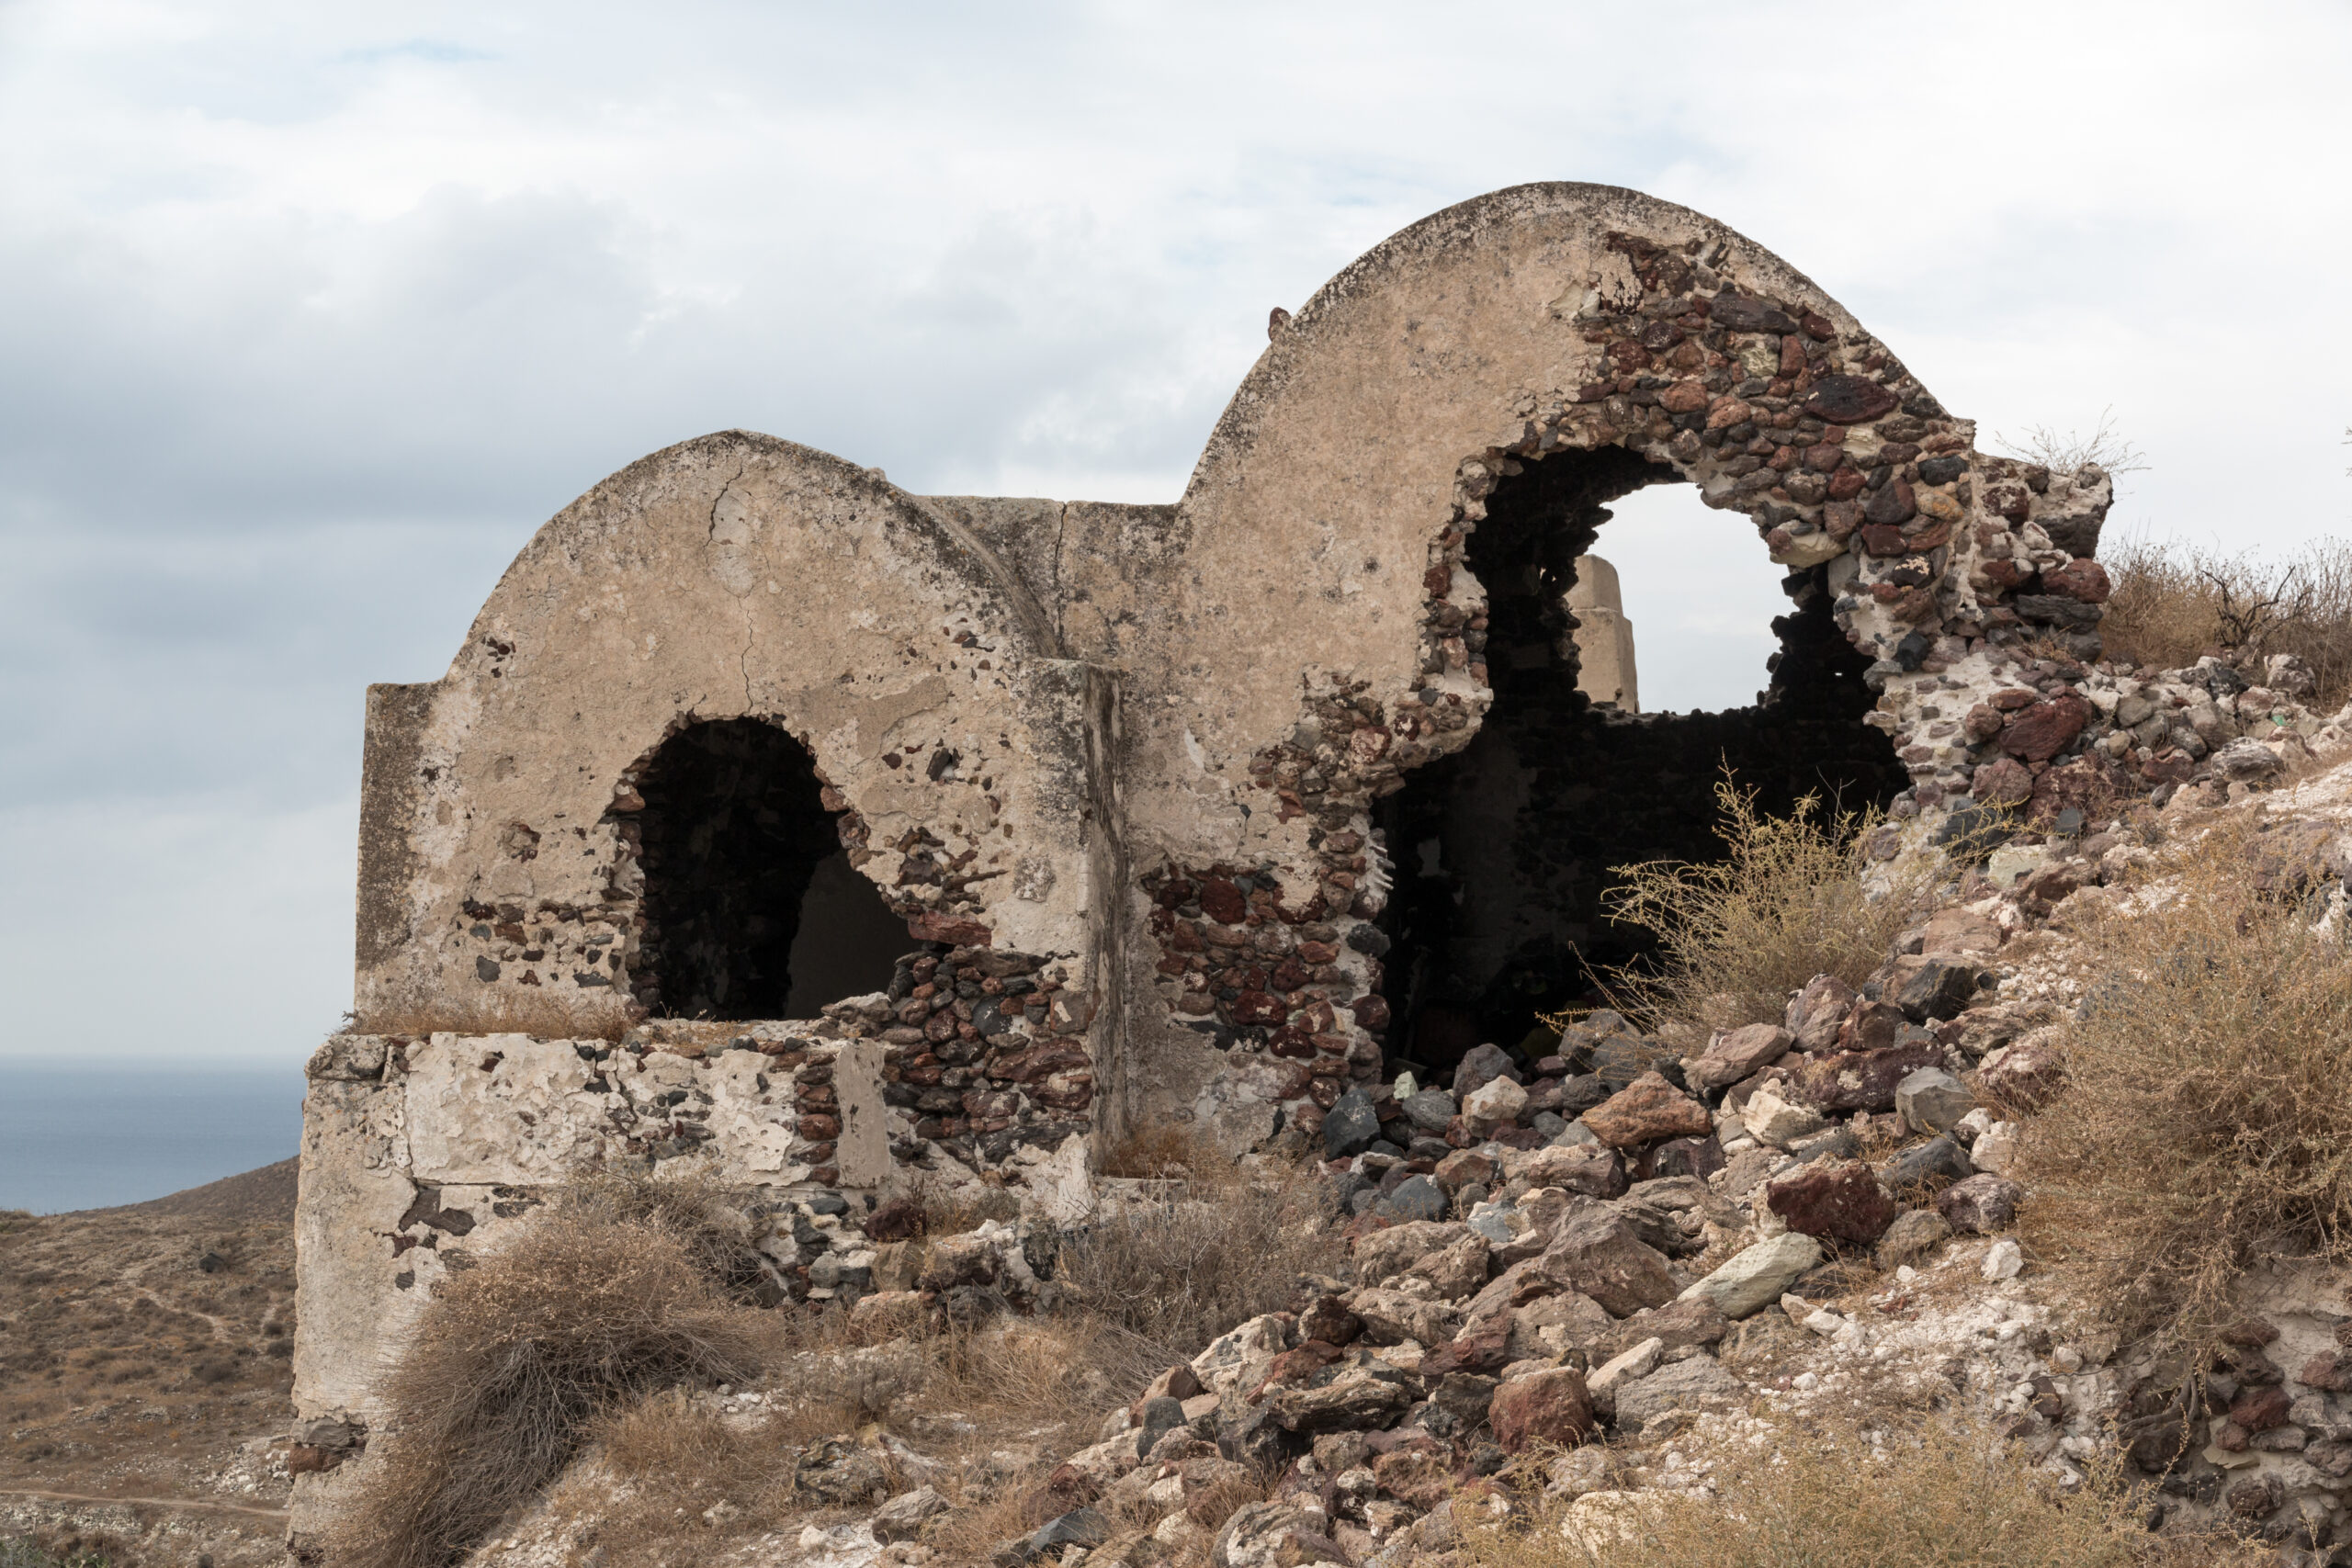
(752, 908)
(1502, 851)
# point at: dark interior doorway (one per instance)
(1502, 851)
(752, 908)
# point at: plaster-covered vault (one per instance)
(1170, 755)
(1147, 787)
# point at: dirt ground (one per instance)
(144, 1374)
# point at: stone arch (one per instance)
(734, 578)
(752, 908)
(1328, 526)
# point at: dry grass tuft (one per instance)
(2174, 603)
(1168, 1276)
(1835, 1494)
(2206, 1130)
(702, 1215)
(676, 1483)
(554, 1015)
(513, 1360)
(1170, 1151)
(1738, 935)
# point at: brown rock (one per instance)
(1456, 1270)
(2049, 726)
(1484, 1345)
(1870, 1026)
(1597, 1252)
(1462, 1168)
(1848, 400)
(2001, 783)
(1838, 1202)
(1981, 1203)
(1645, 1110)
(2027, 1076)
(2324, 1371)
(1594, 1170)
(1958, 931)
(1683, 397)
(1861, 1080)
(1694, 1322)
(1732, 1056)
(1817, 1011)
(1543, 1408)
(2260, 1409)
(2082, 579)
(1326, 1318)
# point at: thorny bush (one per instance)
(2205, 1130)
(511, 1362)
(1786, 902)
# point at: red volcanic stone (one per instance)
(1542, 1407)
(1260, 1006)
(1884, 539)
(1725, 412)
(2082, 579)
(1645, 1110)
(1848, 400)
(1846, 483)
(1984, 722)
(1861, 1080)
(1683, 397)
(1825, 457)
(1223, 902)
(2001, 783)
(1484, 1347)
(2041, 732)
(2261, 1409)
(1834, 1202)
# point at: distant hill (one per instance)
(264, 1194)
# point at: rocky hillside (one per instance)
(1552, 1291)
(144, 1374)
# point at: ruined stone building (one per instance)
(978, 831)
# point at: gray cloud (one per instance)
(311, 319)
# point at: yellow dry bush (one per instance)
(2174, 602)
(2206, 1129)
(1170, 1275)
(1736, 935)
(512, 1361)
(1836, 1494)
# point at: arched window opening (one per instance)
(752, 909)
(1503, 851)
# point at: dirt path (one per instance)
(146, 1502)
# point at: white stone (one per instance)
(2004, 1260)
(1638, 1363)
(1755, 1277)
(1771, 1119)
(1997, 1149)
(1494, 1103)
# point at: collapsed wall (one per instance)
(1206, 812)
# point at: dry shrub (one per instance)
(511, 1362)
(1173, 1151)
(701, 1214)
(675, 1481)
(2174, 602)
(2206, 1129)
(1170, 1275)
(1835, 1494)
(547, 1015)
(1738, 935)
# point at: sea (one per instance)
(91, 1136)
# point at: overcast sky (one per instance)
(310, 314)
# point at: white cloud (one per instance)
(314, 313)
